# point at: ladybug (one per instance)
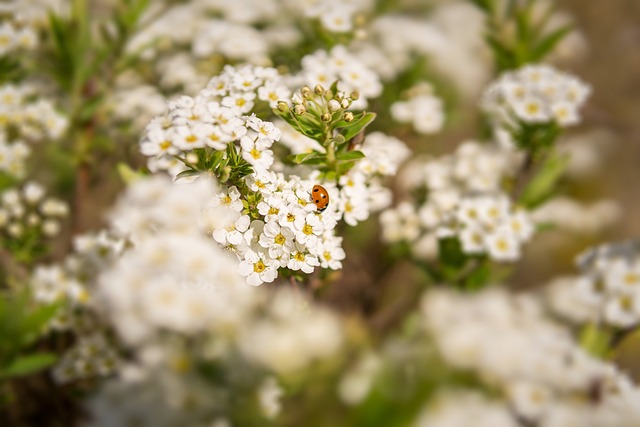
(320, 197)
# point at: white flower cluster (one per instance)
(291, 233)
(462, 199)
(361, 191)
(606, 292)
(26, 211)
(325, 67)
(16, 33)
(580, 218)
(336, 16)
(256, 336)
(512, 345)
(423, 110)
(456, 408)
(91, 356)
(174, 277)
(71, 283)
(216, 117)
(24, 119)
(535, 94)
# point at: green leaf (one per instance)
(485, 5)
(308, 158)
(595, 340)
(547, 44)
(34, 322)
(544, 184)
(356, 126)
(188, 173)
(504, 57)
(27, 365)
(451, 253)
(479, 277)
(350, 155)
(127, 174)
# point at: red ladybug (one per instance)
(320, 197)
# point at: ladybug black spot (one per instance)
(317, 201)
(315, 190)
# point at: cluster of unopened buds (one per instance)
(326, 103)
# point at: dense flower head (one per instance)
(90, 357)
(422, 109)
(607, 290)
(462, 198)
(217, 116)
(26, 212)
(24, 118)
(339, 64)
(545, 377)
(535, 94)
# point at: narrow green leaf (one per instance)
(547, 44)
(451, 253)
(595, 340)
(188, 173)
(127, 174)
(350, 155)
(29, 364)
(356, 126)
(34, 322)
(544, 184)
(307, 158)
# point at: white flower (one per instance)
(265, 130)
(308, 228)
(230, 199)
(301, 259)
(330, 252)
(623, 309)
(257, 267)
(232, 234)
(502, 245)
(33, 192)
(269, 395)
(277, 240)
(253, 151)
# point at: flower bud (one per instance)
(299, 110)
(297, 99)
(334, 105)
(283, 107)
(348, 116)
(345, 103)
(192, 158)
(355, 95)
(340, 95)
(326, 117)
(306, 92)
(319, 90)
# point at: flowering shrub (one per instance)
(239, 214)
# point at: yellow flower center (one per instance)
(256, 154)
(299, 256)
(259, 266)
(164, 145)
(631, 278)
(279, 239)
(307, 229)
(533, 108)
